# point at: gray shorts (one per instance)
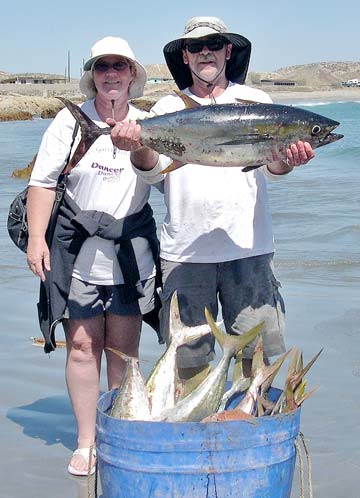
(247, 291)
(89, 300)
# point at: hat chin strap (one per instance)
(211, 83)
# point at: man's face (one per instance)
(206, 56)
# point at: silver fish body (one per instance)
(163, 384)
(131, 401)
(206, 398)
(234, 134)
(241, 135)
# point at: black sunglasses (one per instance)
(213, 45)
(102, 67)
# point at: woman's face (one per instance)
(112, 76)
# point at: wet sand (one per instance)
(37, 426)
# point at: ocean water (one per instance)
(316, 218)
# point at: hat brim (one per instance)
(236, 67)
(136, 88)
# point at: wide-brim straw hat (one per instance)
(199, 27)
(112, 46)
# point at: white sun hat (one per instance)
(112, 45)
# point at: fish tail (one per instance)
(175, 326)
(172, 167)
(179, 333)
(89, 132)
(235, 343)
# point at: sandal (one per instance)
(85, 454)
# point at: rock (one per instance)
(17, 107)
(24, 173)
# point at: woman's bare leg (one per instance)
(86, 340)
(123, 334)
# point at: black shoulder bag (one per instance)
(17, 217)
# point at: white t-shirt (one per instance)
(214, 214)
(98, 182)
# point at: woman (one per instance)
(95, 277)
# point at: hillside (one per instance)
(315, 75)
(25, 101)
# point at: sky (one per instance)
(38, 36)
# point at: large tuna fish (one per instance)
(241, 134)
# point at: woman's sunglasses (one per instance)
(213, 45)
(102, 67)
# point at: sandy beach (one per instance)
(37, 426)
(328, 95)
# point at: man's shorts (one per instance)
(247, 291)
(89, 300)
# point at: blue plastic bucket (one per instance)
(237, 459)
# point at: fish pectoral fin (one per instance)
(250, 168)
(247, 102)
(172, 167)
(188, 101)
(251, 138)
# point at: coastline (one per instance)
(41, 101)
(316, 95)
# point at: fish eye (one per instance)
(316, 130)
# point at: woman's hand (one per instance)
(38, 256)
(40, 201)
(125, 135)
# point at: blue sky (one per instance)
(36, 36)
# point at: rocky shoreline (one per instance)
(16, 106)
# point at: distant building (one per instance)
(278, 82)
(158, 73)
(353, 82)
(158, 80)
(33, 79)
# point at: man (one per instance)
(216, 240)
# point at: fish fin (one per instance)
(247, 102)
(297, 377)
(306, 396)
(251, 138)
(258, 357)
(39, 341)
(122, 355)
(172, 167)
(238, 368)
(238, 341)
(269, 371)
(251, 168)
(89, 132)
(175, 324)
(188, 101)
(310, 364)
(178, 331)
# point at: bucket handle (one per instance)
(92, 486)
(301, 464)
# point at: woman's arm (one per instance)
(40, 201)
